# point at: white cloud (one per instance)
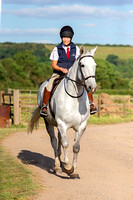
(33, 2)
(28, 32)
(57, 2)
(75, 11)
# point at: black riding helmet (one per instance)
(66, 31)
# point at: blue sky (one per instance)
(93, 21)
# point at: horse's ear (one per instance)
(93, 51)
(81, 50)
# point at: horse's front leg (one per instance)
(76, 148)
(68, 168)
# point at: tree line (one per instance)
(24, 65)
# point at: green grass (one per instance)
(4, 132)
(16, 181)
(106, 119)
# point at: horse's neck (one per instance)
(73, 71)
(72, 86)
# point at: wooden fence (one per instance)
(121, 105)
(23, 102)
(12, 100)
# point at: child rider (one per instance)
(63, 57)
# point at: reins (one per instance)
(69, 93)
(84, 79)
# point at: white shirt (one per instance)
(54, 55)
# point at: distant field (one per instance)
(103, 51)
(122, 52)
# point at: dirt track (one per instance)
(105, 163)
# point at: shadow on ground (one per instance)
(39, 160)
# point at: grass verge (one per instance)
(106, 119)
(16, 181)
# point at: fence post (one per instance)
(20, 112)
(1, 99)
(9, 90)
(99, 103)
(128, 103)
(16, 107)
(124, 107)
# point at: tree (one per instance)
(27, 60)
(112, 59)
(121, 83)
(105, 74)
(3, 73)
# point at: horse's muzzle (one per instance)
(92, 90)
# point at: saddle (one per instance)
(55, 84)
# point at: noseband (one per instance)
(84, 78)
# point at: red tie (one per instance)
(68, 52)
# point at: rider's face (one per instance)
(66, 41)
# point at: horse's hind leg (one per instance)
(59, 146)
(50, 130)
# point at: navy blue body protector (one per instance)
(63, 61)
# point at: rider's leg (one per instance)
(93, 108)
(46, 94)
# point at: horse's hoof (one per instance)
(57, 171)
(68, 169)
(74, 176)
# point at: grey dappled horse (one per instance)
(70, 107)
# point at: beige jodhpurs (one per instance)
(51, 80)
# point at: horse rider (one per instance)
(63, 57)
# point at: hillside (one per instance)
(24, 65)
(123, 52)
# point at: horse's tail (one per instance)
(34, 121)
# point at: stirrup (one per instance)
(94, 109)
(43, 113)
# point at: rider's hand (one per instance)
(65, 71)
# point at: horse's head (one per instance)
(87, 68)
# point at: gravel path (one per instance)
(105, 163)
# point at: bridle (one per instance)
(92, 76)
(84, 78)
